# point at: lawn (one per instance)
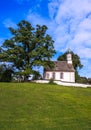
(30, 106)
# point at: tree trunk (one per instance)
(25, 78)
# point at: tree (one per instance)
(5, 73)
(83, 80)
(27, 47)
(76, 63)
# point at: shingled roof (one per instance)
(61, 66)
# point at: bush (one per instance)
(51, 81)
(5, 73)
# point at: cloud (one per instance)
(35, 19)
(73, 25)
(85, 71)
(9, 23)
(53, 8)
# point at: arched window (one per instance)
(61, 75)
(53, 75)
(47, 75)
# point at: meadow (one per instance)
(31, 106)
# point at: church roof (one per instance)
(61, 66)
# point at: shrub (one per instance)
(51, 81)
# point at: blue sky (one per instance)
(68, 21)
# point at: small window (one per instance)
(47, 75)
(61, 75)
(53, 75)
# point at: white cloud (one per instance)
(86, 68)
(53, 7)
(73, 9)
(35, 19)
(84, 52)
(9, 23)
(85, 24)
(73, 20)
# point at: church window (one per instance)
(61, 75)
(53, 75)
(47, 75)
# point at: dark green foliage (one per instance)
(51, 81)
(80, 79)
(28, 47)
(77, 77)
(89, 80)
(83, 80)
(36, 75)
(5, 73)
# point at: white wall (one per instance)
(67, 76)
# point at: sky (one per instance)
(68, 22)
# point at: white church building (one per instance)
(62, 70)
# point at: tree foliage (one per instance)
(27, 47)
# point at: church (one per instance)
(62, 70)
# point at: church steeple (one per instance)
(69, 57)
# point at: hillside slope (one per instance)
(30, 106)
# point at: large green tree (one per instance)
(76, 63)
(27, 47)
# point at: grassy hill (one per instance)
(30, 106)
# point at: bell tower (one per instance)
(69, 57)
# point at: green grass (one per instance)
(30, 106)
